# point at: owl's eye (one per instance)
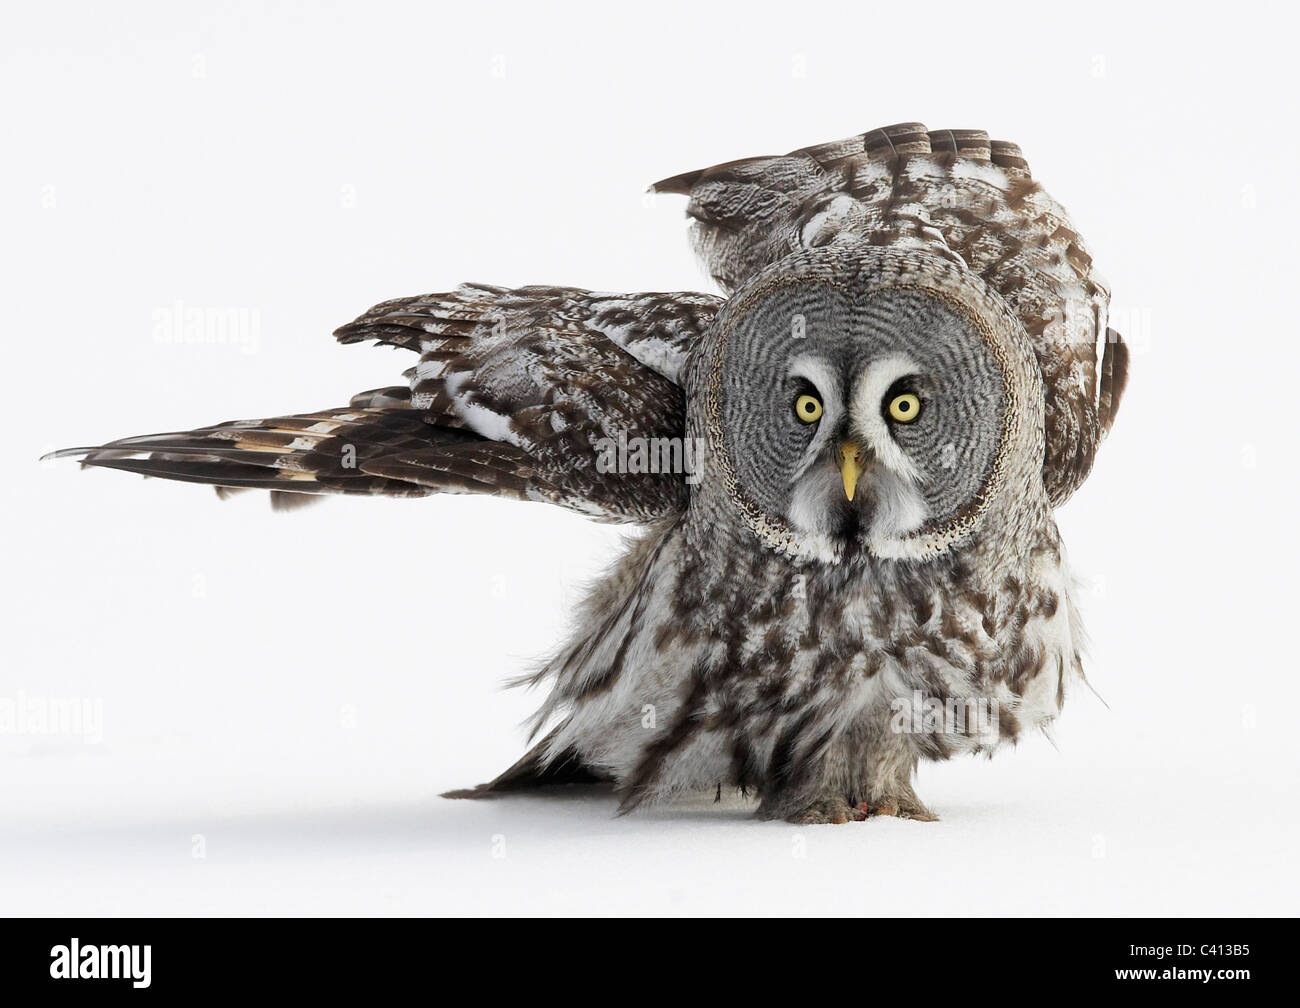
(808, 408)
(904, 408)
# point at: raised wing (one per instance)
(962, 195)
(546, 394)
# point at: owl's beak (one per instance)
(850, 466)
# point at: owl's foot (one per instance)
(908, 807)
(832, 809)
(837, 809)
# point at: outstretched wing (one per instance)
(536, 394)
(961, 194)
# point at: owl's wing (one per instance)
(961, 195)
(542, 393)
(566, 382)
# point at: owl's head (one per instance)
(861, 398)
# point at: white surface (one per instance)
(295, 690)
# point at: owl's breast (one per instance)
(706, 666)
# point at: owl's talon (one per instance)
(827, 810)
(903, 808)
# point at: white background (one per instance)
(287, 695)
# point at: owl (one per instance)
(844, 472)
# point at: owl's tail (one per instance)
(377, 445)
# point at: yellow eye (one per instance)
(808, 408)
(905, 408)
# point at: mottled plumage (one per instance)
(849, 561)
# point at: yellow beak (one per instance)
(850, 467)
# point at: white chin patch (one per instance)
(899, 512)
(812, 507)
(816, 512)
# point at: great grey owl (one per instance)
(846, 471)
